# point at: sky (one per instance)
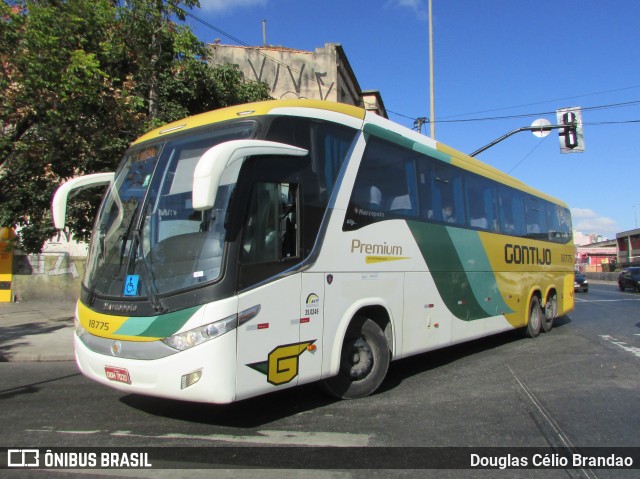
(498, 66)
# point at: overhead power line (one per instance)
(447, 119)
(555, 100)
(244, 44)
(526, 115)
(542, 113)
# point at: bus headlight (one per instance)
(77, 325)
(79, 328)
(201, 334)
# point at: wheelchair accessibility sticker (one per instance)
(131, 285)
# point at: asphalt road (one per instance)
(577, 386)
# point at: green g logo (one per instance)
(282, 363)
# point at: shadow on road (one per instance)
(250, 413)
(12, 337)
(261, 410)
(31, 388)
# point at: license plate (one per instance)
(120, 375)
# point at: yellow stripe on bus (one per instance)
(105, 325)
(249, 109)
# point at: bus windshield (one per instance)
(148, 239)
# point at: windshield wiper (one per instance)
(127, 232)
(101, 242)
(152, 292)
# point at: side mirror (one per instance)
(60, 197)
(208, 171)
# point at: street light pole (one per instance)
(432, 111)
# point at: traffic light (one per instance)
(571, 136)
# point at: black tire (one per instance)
(534, 321)
(550, 313)
(364, 361)
(622, 288)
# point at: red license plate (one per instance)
(120, 375)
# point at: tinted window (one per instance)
(328, 145)
(482, 204)
(511, 211)
(386, 185)
(558, 223)
(394, 181)
(270, 231)
(447, 195)
(534, 214)
(283, 200)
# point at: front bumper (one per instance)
(163, 377)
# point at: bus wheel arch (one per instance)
(534, 316)
(364, 356)
(380, 316)
(550, 310)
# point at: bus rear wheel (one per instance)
(364, 361)
(550, 313)
(535, 318)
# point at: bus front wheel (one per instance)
(535, 318)
(364, 361)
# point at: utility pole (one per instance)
(264, 33)
(417, 124)
(432, 110)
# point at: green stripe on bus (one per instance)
(156, 326)
(469, 295)
(405, 142)
(480, 274)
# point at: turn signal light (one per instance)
(190, 379)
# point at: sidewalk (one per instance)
(36, 331)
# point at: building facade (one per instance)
(324, 74)
(629, 247)
(596, 257)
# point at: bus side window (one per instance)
(558, 223)
(447, 190)
(564, 216)
(270, 232)
(481, 204)
(425, 166)
(535, 217)
(385, 187)
(553, 225)
(367, 197)
(289, 238)
(511, 211)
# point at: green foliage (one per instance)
(81, 79)
(194, 87)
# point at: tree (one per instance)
(63, 113)
(80, 80)
(151, 38)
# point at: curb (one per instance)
(36, 331)
(51, 345)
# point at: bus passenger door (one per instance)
(268, 343)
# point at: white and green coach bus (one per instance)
(262, 246)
